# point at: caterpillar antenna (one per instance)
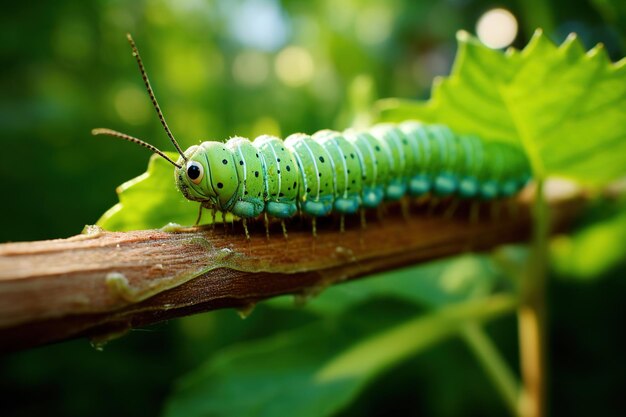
(124, 136)
(144, 76)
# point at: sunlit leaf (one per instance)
(565, 106)
(592, 251)
(150, 200)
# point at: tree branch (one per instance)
(102, 283)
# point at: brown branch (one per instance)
(101, 283)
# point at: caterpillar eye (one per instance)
(195, 172)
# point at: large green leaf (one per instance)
(317, 370)
(566, 107)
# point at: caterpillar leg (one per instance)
(474, 212)
(454, 205)
(380, 212)
(244, 222)
(282, 223)
(432, 206)
(513, 208)
(494, 210)
(266, 221)
(342, 223)
(213, 219)
(224, 223)
(199, 216)
(405, 205)
(421, 200)
(363, 219)
(314, 226)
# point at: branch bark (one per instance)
(100, 284)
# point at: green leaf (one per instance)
(564, 106)
(591, 252)
(282, 376)
(151, 201)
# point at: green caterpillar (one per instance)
(339, 171)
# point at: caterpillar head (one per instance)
(207, 173)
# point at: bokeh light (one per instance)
(189, 69)
(265, 125)
(497, 28)
(258, 23)
(251, 68)
(294, 66)
(132, 105)
(374, 25)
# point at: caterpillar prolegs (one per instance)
(339, 172)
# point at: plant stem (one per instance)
(389, 347)
(497, 369)
(532, 314)
(101, 284)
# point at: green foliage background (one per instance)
(67, 68)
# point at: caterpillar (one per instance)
(337, 172)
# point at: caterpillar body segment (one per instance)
(390, 140)
(374, 167)
(342, 172)
(250, 201)
(280, 177)
(315, 195)
(347, 175)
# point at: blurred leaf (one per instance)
(281, 376)
(150, 201)
(432, 285)
(594, 250)
(613, 11)
(566, 107)
(356, 111)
